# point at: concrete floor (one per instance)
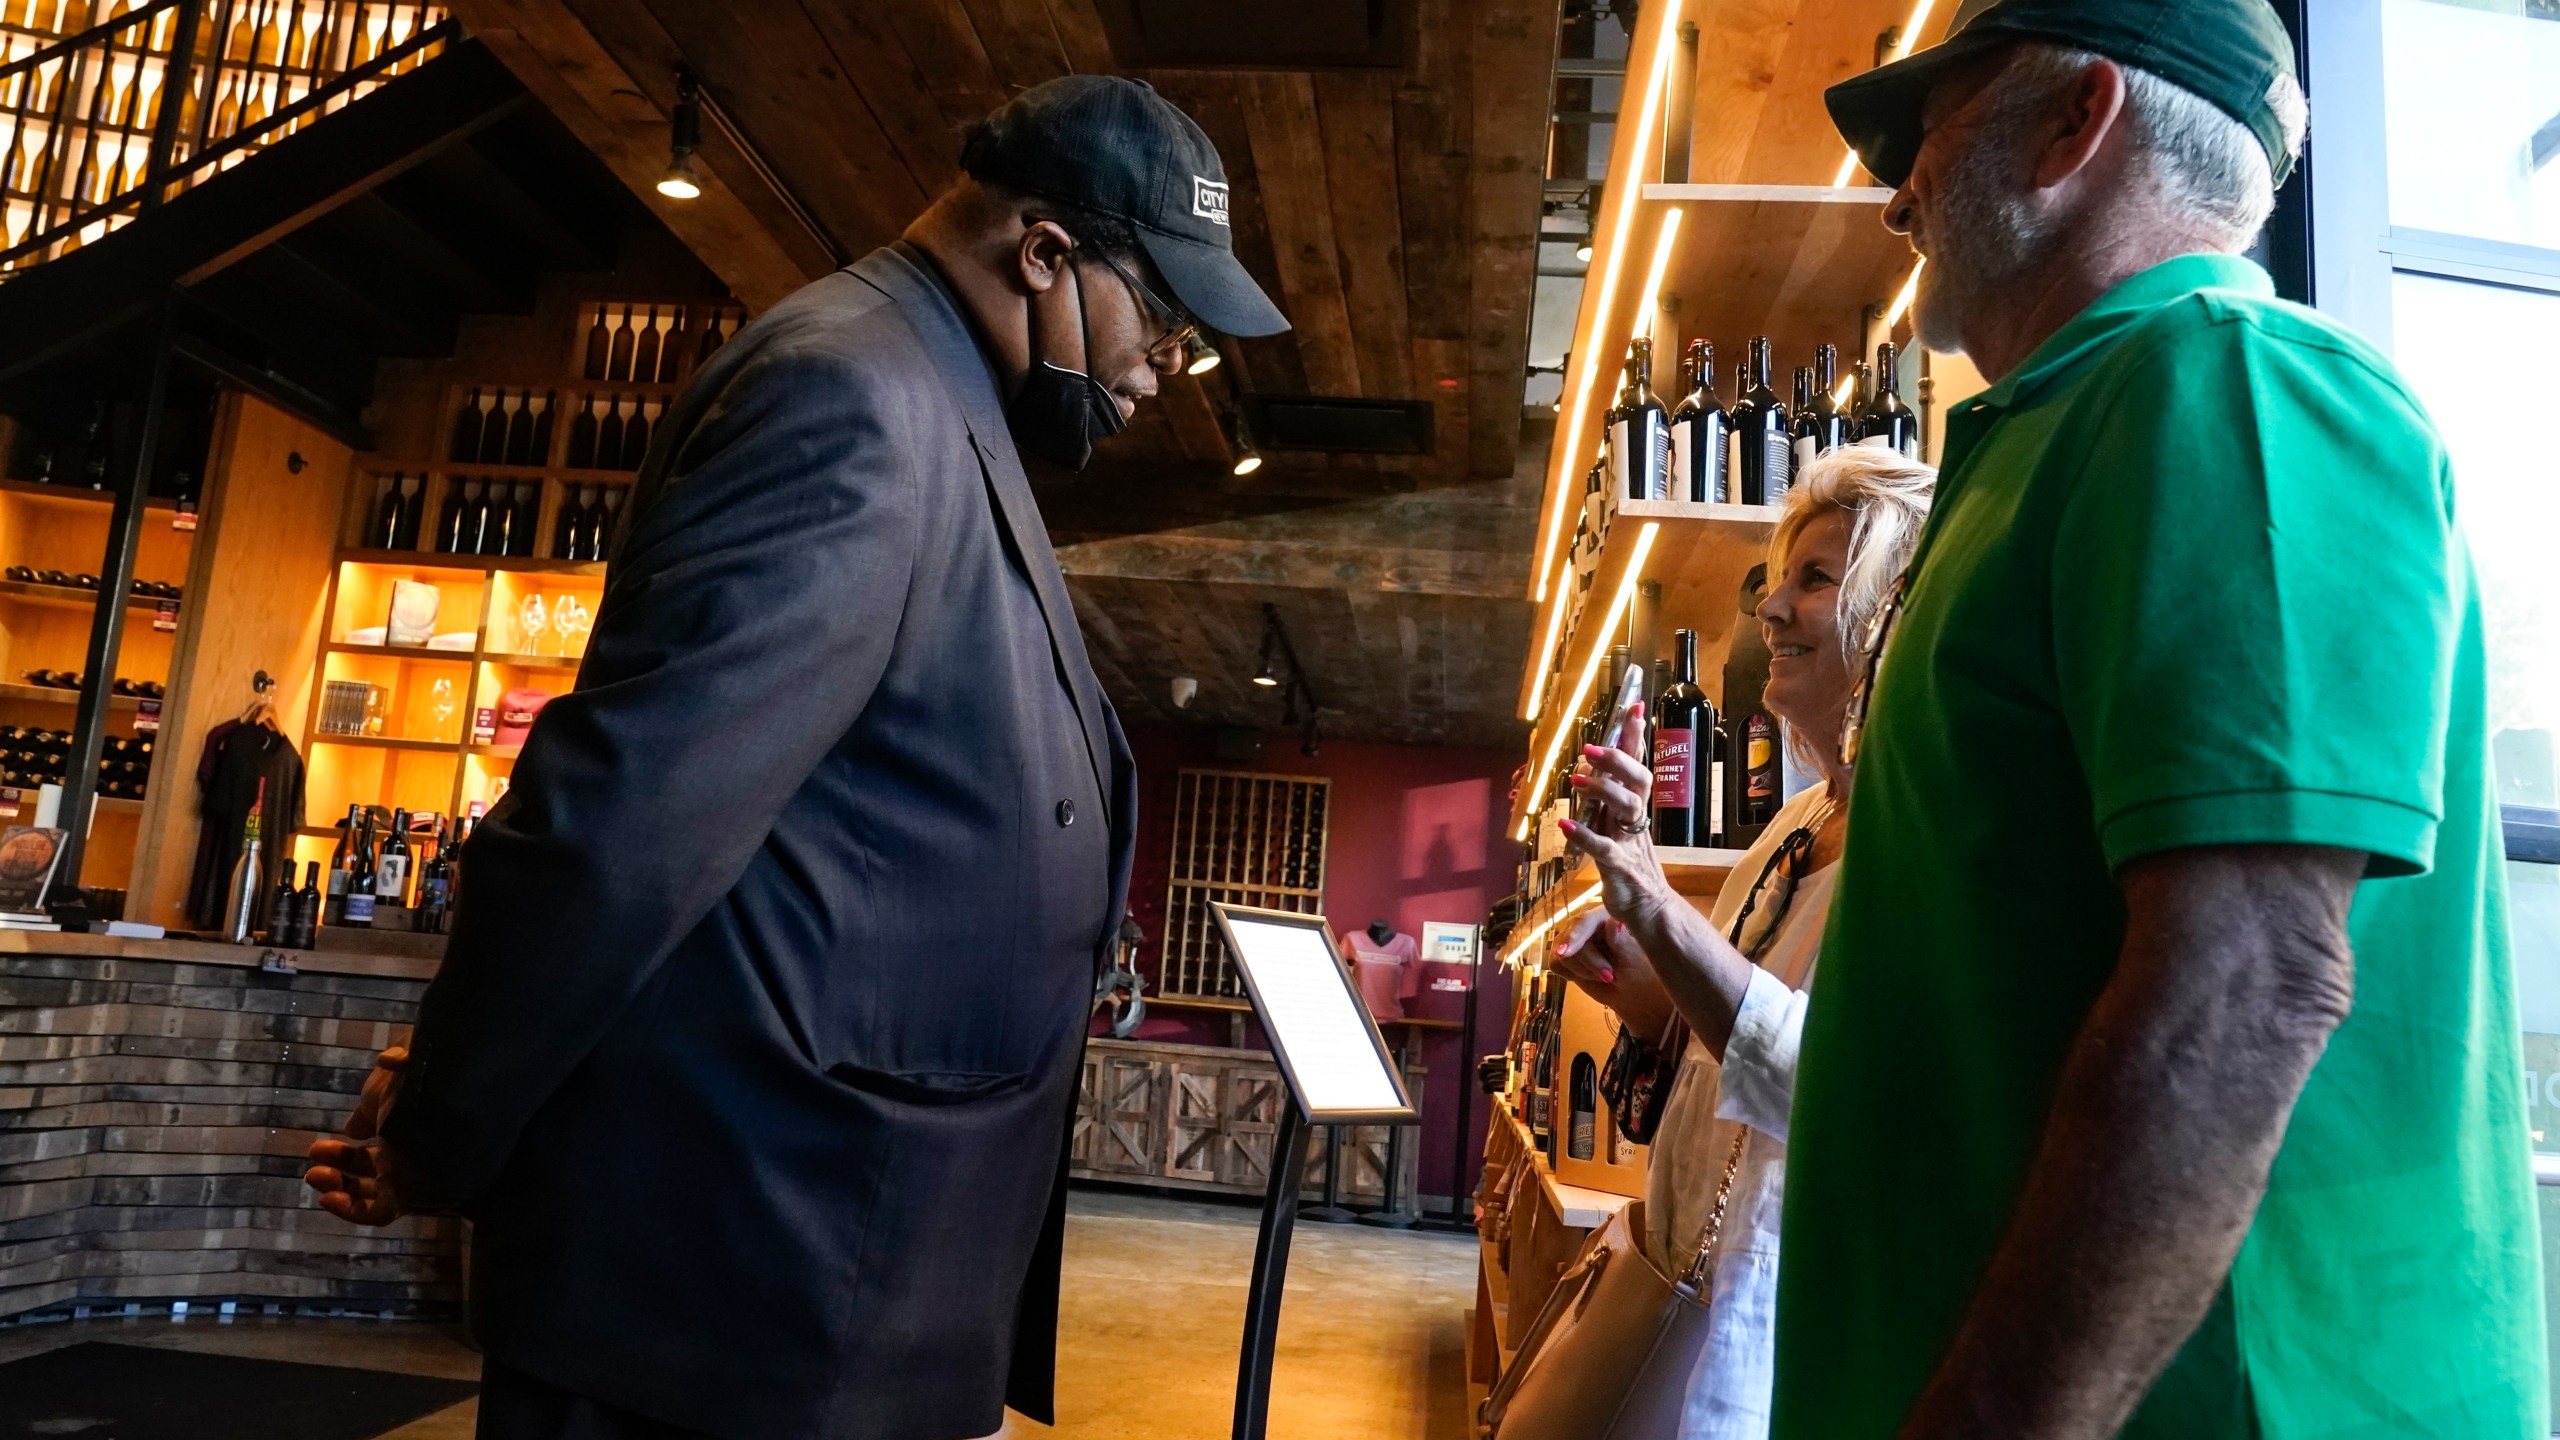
(1372, 1333)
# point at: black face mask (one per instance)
(1058, 413)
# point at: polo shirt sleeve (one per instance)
(2256, 584)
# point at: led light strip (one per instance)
(1572, 907)
(1655, 272)
(1910, 292)
(1910, 36)
(1590, 670)
(1666, 32)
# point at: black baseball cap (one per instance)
(2229, 53)
(1115, 146)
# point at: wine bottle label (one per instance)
(1674, 776)
(1881, 442)
(1714, 828)
(1682, 436)
(359, 908)
(1779, 456)
(391, 876)
(1733, 459)
(1911, 443)
(337, 884)
(1584, 1136)
(1761, 759)
(1805, 449)
(1621, 455)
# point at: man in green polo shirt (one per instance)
(2163, 1075)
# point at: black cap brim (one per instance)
(1879, 112)
(1212, 284)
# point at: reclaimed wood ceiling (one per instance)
(1392, 213)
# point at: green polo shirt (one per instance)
(2193, 578)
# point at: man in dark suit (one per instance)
(755, 1052)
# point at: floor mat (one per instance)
(99, 1391)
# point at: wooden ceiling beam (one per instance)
(1358, 117)
(617, 106)
(1514, 56)
(876, 63)
(1297, 205)
(1019, 37)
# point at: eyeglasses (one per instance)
(1179, 331)
(1853, 727)
(1793, 859)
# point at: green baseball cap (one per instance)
(2229, 53)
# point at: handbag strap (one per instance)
(1696, 1275)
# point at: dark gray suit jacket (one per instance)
(755, 1053)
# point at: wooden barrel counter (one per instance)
(156, 1099)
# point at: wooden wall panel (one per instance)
(254, 598)
(1358, 114)
(1297, 205)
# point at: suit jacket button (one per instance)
(1066, 812)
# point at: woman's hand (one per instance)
(1620, 838)
(1598, 954)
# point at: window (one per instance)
(1245, 839)
(2471, 89)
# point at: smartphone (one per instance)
(1630, 692)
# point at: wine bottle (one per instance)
(493, 439)
(498, 532)
(284, 910)
(391, 864)
(1889, 422)
(1698, 431)
(449, 520)
(600, 526)
(644, 349)
(474, 518)
(635, 434)
(609, 435)
(306, 908)
(565, 535)
(527, 520)
(670, 346)
(1836, 424)
(341, 867)
(1641, 433)
(358, 907)
(413, 506)
(434, 883)
(242, 898)
(1862, 393)
(1762, 448)
(385, 534)
(715, 333)
(467, 423)
(582, 437)
(1585, 1135)
(1684, 728)
(520, 432)
(618, 366)
(542, 412)
(1759, 767)
(599, 345)
(1805, 431)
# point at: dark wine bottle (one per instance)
(391, 864)
(1889, 422)
(466, 429)
(542, 413)
(1687, 798)
(1762, 450)
(475, 518)
(609, 435)
(618, 366)
(1759, 766)
(342, 869)
(599, 345)
(1583, 1142)
(672, 349)
(385, 534)
(600, 532)
(413, 511)
(449, 519)
(1837, 424)
(1698, 430)
(1640, 431)
(520, 423)
(582, 437)
(498, 535)
(284, 909)
(566, 535)
(357, 906)
(1862, 393)
(1804, 432)
(527, 520)
(644, 349)
(306, 908)
(635, 433)
(493, 433)
(715, 333)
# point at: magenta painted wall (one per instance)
(1416, 835)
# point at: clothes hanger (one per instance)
(262, 703)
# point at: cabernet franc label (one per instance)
(1674, 776)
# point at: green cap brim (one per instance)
(1878, 113)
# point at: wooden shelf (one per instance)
(531, 662)
(71, 597)
(495, 752)
(79, 495)
(384, 742)
(56, 695)
(118, 805)
(399, 652)
(474, 471)
(1698, 871)
(471, 564)
(1582, 1208)
(1699, 555)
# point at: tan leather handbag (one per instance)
(1610, 1354)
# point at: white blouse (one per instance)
(1755, 1088)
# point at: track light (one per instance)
(1267, 674)
(1240, 439)
(681, 181)
(1204, 356)
(1582, 252)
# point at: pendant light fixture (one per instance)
(681, 181)
(1204, 356)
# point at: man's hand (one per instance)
(2165, 1122)
(359, 1177)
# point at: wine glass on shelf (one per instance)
(443, 706)
(570, 617)
(533, 622)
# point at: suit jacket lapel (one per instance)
(901, 274)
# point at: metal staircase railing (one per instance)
(102, 123)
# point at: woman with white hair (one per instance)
(1714, 1004)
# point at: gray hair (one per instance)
(2211, 173)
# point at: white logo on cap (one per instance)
(1209, 199)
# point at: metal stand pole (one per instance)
(1391, 1213)
(1331, 1211)
(1270, 1272)
(1460, 1216)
